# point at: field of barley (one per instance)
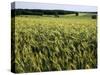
(48, 43)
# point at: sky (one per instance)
(49, 6)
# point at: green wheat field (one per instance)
(48, 43)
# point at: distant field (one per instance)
(48, 43)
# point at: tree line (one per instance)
(40, 12)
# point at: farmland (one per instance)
(48, 43)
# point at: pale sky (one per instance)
(48, 6)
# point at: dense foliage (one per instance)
(39, 12)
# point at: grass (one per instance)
(54, 44)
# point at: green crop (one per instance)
(53, 44)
